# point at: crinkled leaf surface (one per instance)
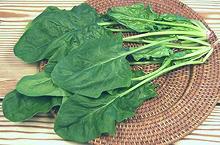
(82, 119)
(173, 18)
(153, 52)
(39, 84)
(74, 41)
(98, 65)
(18, 107)
(133, 17)
(142, 19)
(51, 30)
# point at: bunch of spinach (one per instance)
(89, 73)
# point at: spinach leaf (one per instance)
(18, 107)
(128, 16)
(173, 18)
(73, 41)
(136, 73)
(50, 30)
(98, 65)
(142, 19)
(180, 54)
(152, 52)
(39, 84)
(82, 119)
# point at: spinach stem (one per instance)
(147, 46)
(144, 62)
(164, 65)
(149, 78)
(152, 77)
(170, 44)
(170, 23)
(195, 33)
(107, 23)
(197, 52)
(191, 26)
(184, 47)
(120, 30)
(189, 41)
(193, 40)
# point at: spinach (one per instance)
(142, 19)
(88, 72)
(39, 84)
(74, 41)
(82, 119)
(18, 107)
(153, 52)
(98, 65)
(129, 15)
(51, 30)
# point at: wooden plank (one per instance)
(39, 129)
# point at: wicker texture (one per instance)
(185, 97)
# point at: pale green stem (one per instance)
(164, 33)
(185, 47)
(193, 40)
(144, 62)
(169, 23)
(120, 30)
(147, 46)
(107, 23)
(157, 75)
(167, 62)
(200, 51)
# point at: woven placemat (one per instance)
(185, 96)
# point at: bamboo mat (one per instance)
(14, 15)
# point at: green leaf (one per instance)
(188, 55)
(18, 107)
(136, 73)
(74, 41)
(180, 54)
(49, 67)
(131, 16)
(153, 52)
(142, 19)
(173, 18)
(39, 84)
(98, 65)
(82, 119)
(65, 98)
(52, 29)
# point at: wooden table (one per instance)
(14, 15)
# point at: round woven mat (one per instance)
(185, 96)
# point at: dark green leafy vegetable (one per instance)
(82, 119)
(39, 84)
(142, 19)
(97, 65)
(51, 30)
(18, 107)
(128, 16)
(88, 72)
(74, 41)
(152, 52)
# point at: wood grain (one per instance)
(40, 130)
(14, 16)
